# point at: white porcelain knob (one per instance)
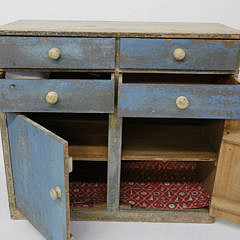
(182, 102)
(52, 97)
(179, 54)
(54, 53)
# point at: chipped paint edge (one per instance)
(14, 212)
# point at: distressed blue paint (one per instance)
(76, 53)
(80, 96)
(159, 100)
(158, 54)
(37, 158)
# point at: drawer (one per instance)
(179, 54)
(57, 53)
(179, 101)
(76, 96)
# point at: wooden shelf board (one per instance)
(170, 155)
(99, 153)
(88, 153)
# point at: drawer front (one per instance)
(57, 53)
(80, 96)
(179, 54)
(179, 101)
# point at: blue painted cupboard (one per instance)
(117, 121)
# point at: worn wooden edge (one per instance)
(118, 28)
(226, 205)
(96, 34)
(184, 216)
(198, 156)
(7, 163)
(167, 71)
(56, 70)
(226, 209)
(14, 212)
(66, 177)
(114, 144)
(114, 162)
(122, 70)
(237, 73)
(226, 216)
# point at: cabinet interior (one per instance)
(178, 78)
(80, 75)
(144, 141)
(171, 139)
(87, 134)
(173, 154)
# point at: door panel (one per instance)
(225, 202)
(40, 163)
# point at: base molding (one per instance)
(184, 216)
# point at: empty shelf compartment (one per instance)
(171, 139)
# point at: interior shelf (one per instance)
(157, 139)
(143, 139)
(88, 153)
(169, 140)
(87, 134)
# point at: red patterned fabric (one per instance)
(84, 194)
(158, 171)
(148, 184)
(165, 195)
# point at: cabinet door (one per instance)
(225, 202)
(40, 166)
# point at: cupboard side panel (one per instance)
(225, 202)
(14, 212)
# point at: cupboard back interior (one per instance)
(122, 124)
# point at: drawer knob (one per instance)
(54, 53)
(55, 193)
(182, 102)
(179, 54)
(52, 98)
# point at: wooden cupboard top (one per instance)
(119, 29)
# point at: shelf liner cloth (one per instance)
(148, 184)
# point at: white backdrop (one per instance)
(223, 11)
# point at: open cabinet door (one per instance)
(40, 167)
(225, 202)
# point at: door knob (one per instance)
(182, 102)
(52, 97)
(179, 54)
(54, 53)
(55, 193)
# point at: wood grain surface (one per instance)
(119, 29)
(87, 96)
(159, 100)
(75, 53)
